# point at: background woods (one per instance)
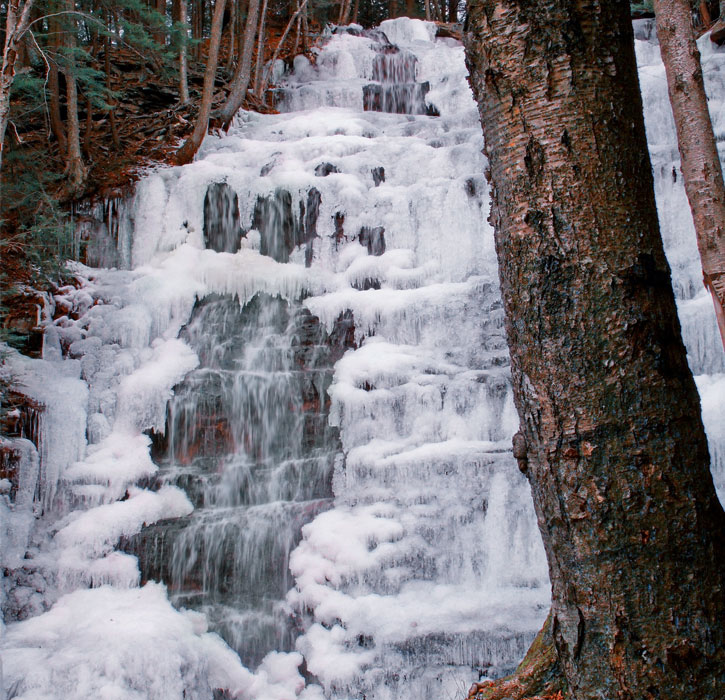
(97, 80)
(92, 90)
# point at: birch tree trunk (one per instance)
(16, 23)
(701, 168)
(243, 73)
(186, 152)
(613, 443)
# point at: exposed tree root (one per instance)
(538, 676)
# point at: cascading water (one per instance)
(310, 346)
(426, 494)
(247, 437)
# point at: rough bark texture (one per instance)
(698, 152)
(617, 457)
(186, 153)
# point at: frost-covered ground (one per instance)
(428, 569)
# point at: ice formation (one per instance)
(289, 400)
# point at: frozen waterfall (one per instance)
(274, 458)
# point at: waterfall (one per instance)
(276, 451)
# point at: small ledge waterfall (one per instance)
(290, 405)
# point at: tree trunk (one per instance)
(56, 122)
(232, 34)
(183, 52)
(305, 29)
(16, 23)
(614, 445)
(160, 33)
(243, 73)
(698, 151)
(197, 26)
(75, 169)
(280, 44)
(186, 153)
(112, 111)
(260, 49)
(345, 9)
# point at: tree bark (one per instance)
(183, 53)
(16, 23)
(453, 11)
(615, 449)
(56, 122)
(75, 169)
(280, 44)
(243, 73)
(186, 152)
(260, 48)
(701, 168)
(160, 33)
(232, 34)
(345, 8)
(197, 26)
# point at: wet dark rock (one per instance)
(373, 239)
(352, 31)
(432, 111)
(367, 283)
(403, 98)
(339, 228)
(282, 229)
(248, 439)
(450, 31)
(222, 231)
(325, 169)
(394, 66)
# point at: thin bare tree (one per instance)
(75, 169)
(186, 152)
(243, 73)
(700, 162)
(183, 61)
